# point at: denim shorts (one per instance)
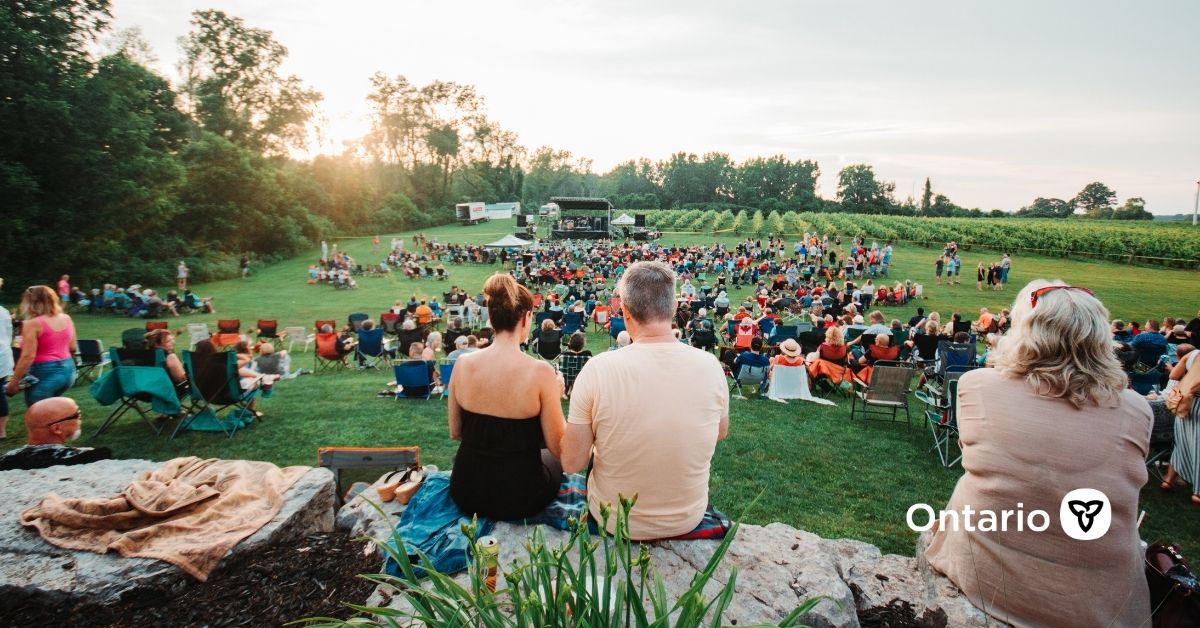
(54, 379)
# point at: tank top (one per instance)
(53, 345)
(498, 470)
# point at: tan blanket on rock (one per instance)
(189, 512)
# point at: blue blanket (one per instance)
(432, 522)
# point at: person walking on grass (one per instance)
(937, 268)
(181, 276)
(1005, 265)
(979, 273)
(244, 265)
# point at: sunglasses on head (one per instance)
(73, 417)
(1033, 298)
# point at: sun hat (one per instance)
(790, 348)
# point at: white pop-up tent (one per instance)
(624, 220)
(508, 242)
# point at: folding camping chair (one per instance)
(572, 322)
(372, 349)
(1162, 440)
(925, 349)
(889, 388)
(328, 355)
(339, 458)
(136, 378)
(548, 344)
(197, 332)
(406, 338)
(571, 364)
(1144, 383)
(616, 325)
(355, 320)
(91, 360)
(445, 371)
(391, 322)
(412, 377)
(229, 326)
(811, 340)
(954, 354)
(298, 334)
(941, 416)
(600, 317)
(215, 386)
(748, 376)
(156, 325)
(268, 330)
(134, 338)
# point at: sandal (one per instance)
(388, 486)
(404, 493)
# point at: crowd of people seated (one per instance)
(135, 301)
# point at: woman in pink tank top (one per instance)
(47, 366)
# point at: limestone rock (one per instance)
(31, 569)
(779, 568)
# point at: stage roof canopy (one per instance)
(571, 203)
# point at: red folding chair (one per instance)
(153, 325)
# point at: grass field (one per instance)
(806, 465)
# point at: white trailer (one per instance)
(471, 213)
(502, 211)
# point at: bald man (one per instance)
(50, 424)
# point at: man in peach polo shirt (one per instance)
(653, 412)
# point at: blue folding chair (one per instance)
(413, 380)
(372, 350)
(616, 325)
(445, 370)
(572, 322)
(1144, 383)
(356, 320)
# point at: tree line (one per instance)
(111, 173)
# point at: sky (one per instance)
(997, 103)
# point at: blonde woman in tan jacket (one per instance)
(1054, 415)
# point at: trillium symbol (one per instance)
(1085, 512)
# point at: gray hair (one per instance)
(648, 292)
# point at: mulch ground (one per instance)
(896, 614)
(278, 584)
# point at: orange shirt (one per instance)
(424, 314)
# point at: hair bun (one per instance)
(507, 301)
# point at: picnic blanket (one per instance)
(189, 512)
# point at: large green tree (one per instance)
(235, 87)
(1096, 200)
(860, 192)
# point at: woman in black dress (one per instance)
(504, 409)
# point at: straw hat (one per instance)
(790, 348)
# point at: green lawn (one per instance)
(806, 465)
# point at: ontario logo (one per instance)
(1084, 514)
